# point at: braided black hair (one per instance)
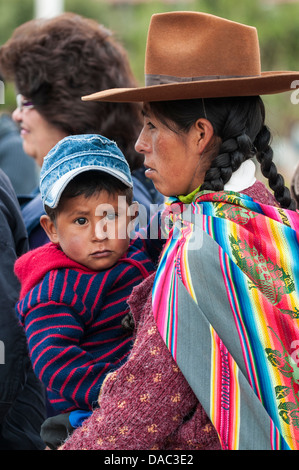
(276, 182)
(240, 124)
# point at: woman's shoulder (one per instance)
(260, 193)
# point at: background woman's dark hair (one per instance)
(54, 62)
(240, 124)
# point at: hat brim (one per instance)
(265, 84)
(53, 196)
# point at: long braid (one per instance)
(236, 147)
(239, 123)
(276, 182)
(232, 153)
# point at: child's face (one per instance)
(91, 231)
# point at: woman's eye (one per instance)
(150, 125)
(81, 221)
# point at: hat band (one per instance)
(152, 79)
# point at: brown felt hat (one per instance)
(197, 55)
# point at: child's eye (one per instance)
(111, 216)
(81, 220)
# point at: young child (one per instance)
(75, 289)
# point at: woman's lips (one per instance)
(24, 131)
(149, 171)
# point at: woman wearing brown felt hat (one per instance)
(215, 361)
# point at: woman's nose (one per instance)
(142, 144)
(17, 115)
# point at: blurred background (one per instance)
(277, 23)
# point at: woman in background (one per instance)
(53, 62)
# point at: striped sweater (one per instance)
(72, 319)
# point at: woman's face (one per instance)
(172, 160)
(38, 135)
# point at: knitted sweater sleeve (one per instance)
(144, 403)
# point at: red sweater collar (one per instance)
(32, 267)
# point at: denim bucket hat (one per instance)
(74, 155)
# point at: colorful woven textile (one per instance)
(225, 300)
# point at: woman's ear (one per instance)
(205, 134)
(49, 227)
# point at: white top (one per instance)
(243, 178)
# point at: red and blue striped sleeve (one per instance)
(73, 326)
